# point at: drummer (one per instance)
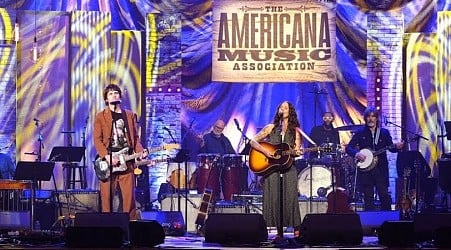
(216, 142)
(325, 135)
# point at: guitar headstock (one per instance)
(171, 146)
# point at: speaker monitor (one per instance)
(372, 220)
(235, 229)
(171, 221)
(94, 237)
(426, 224)
(146, 233)
(442, 237)
(396, 234)
(171, 201)
(120, 220)
(321, 229)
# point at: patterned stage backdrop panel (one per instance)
(422, 104)
(443, 72)
(42, 96)
(91, 63)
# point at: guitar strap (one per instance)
(376, 137)
(131, 146)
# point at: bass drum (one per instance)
(321, 182)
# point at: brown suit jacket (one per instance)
(102, 131)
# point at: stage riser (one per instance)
(171, 204)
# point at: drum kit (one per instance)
(220, 173)
(333, 168)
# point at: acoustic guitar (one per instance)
(204, 207)
(283, 157)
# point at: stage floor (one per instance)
(189, 241)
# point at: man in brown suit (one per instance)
(115, 129)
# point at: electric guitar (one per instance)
(138, 171)
(102, 168)
(262, 165)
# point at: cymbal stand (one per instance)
(246, 142)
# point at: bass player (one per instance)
(373, 172)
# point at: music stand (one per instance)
(33, 171)
(448, 129)
(67, 154)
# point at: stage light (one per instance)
(35, 50)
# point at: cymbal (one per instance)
(31, 153)
(350, 128)
(68, 132)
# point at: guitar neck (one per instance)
(152, 162)
(382, 150)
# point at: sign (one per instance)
(273, 41)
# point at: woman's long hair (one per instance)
(293, 121)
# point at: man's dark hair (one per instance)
(370, 110)
(111, 87)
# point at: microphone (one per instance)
(237, 124)
(280, 114)
(36, 119)
(115, 102)
(385, 120)
(166, 128)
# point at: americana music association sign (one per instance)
(273, 41)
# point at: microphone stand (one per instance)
(110, 149)
(41, 145)
(246, 141)
(416, 164)
(317, 92)
(182, 156)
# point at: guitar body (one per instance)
(102, 167)
(262, 165)
(370, 161)
(204, 206)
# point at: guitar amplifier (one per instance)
(78, 201)
(170, 203)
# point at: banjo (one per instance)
(371, 158)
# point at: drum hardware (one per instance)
(352, 128)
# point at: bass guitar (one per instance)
(102, 169)
(262, 165)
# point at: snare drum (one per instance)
(231, 175)
(208, 173)
(322, 181)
